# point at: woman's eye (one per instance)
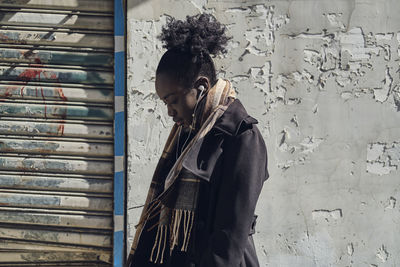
(171, 101)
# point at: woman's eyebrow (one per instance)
(168, 95)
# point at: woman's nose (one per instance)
(171, 111)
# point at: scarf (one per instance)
(173, 194)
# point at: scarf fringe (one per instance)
(180, 218)
(161, 239)
(152, 209)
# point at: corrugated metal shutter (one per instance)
(56, 132)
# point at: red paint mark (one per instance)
(41, 90)
(7, 93)
(61, 94)
(36, 73)
(37, 62)
(60, 129)
(30, 74)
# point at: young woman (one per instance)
(199, 210)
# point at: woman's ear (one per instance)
(202, 85)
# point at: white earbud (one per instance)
(201, 88)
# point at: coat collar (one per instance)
(233, 118)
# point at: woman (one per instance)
(199, 210)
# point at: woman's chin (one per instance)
(185, 125)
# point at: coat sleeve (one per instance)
(244, 171)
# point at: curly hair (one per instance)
(190, 45)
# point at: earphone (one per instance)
(201, 88)
(191, 127)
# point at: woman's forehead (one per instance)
(166, 86)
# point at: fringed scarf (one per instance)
(172, 197)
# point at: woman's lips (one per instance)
(178, 121)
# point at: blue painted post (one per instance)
(119, 134)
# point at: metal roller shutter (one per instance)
(56, 132)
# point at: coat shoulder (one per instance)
(235, 120)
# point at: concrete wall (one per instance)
(322, 78)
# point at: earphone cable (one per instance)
(191, 127)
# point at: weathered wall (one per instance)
(322, 78)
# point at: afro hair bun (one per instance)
(199, 35)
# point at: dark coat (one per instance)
(231, 160)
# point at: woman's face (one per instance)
(180, 101)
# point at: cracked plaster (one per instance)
(322, 79)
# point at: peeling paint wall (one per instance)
(322, 77)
